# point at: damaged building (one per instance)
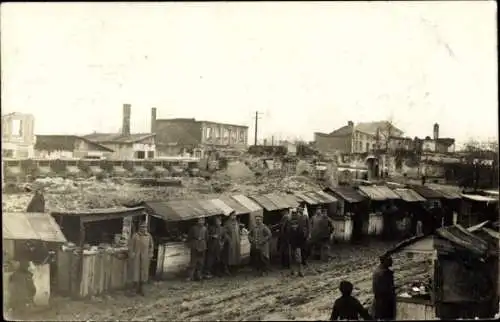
(360, 138)
(126, 145)
(18, 137)
(187, 135)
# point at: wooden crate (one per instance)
(342, 228)
(176, 258)
(409, 310)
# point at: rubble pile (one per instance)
(64, 194)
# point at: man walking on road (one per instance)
(384, 304)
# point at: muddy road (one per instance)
(245, 296)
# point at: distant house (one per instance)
(18, 138)
(437, 144)
(180, 135)
(360, 138)
(69, 146)
(126, 145)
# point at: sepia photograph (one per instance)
(260, 160)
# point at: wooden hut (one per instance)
(274, 205)
(431, 214)
(384, 217)
(348, 220)
(170, 224)
(30, 236)
(316, 199)
(411, 203)
(95, 262)
(463, 279)
(451, 203)
(477, 208)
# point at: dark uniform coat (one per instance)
(384, 304)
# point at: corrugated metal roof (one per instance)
(448, 193)
(225, 208)
(480, 198)
(326, 197)
(38, 226)
(409, 195)
(280, 200)
(235, 205)
(309, 200)
(178, 210)
(247, 202)
(265, 202)
(426, 192)
(209, 207)
(348, 194)
(378, 192)
(460, 236)
(292, 200)
(456, 234)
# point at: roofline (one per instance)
(78, 137)
(199, 121)
(146, 136)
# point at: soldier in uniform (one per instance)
(259, 237)
(141, 253)
(217, 237)
(197, 239)
(297, 233)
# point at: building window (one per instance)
(226, 133)
(140, 154)
(17, 128)
(151, 154)
(367, 147)
(360, 146)
(242, 135)
(217, 132)
(208, 132)
(7, 153)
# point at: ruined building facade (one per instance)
(18, 137)
(180, 135)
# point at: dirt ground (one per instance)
(245, 296)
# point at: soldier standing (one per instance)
(197, 240)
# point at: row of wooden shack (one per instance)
(92, 252)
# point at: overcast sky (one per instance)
(308, 67)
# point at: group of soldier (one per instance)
(215, 248)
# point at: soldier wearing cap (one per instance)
(141, 252)
(259, 237)
(197, 239)
(232, 249)
(297, 232)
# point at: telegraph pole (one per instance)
(256, 126)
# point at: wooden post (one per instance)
(80, 259)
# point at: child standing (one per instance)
(348, 307)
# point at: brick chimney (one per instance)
(350, 123)
(126, 119)
(153, 120)
(436, 131)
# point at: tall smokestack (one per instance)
(153, 120)
(436, 131)
(126, 119)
